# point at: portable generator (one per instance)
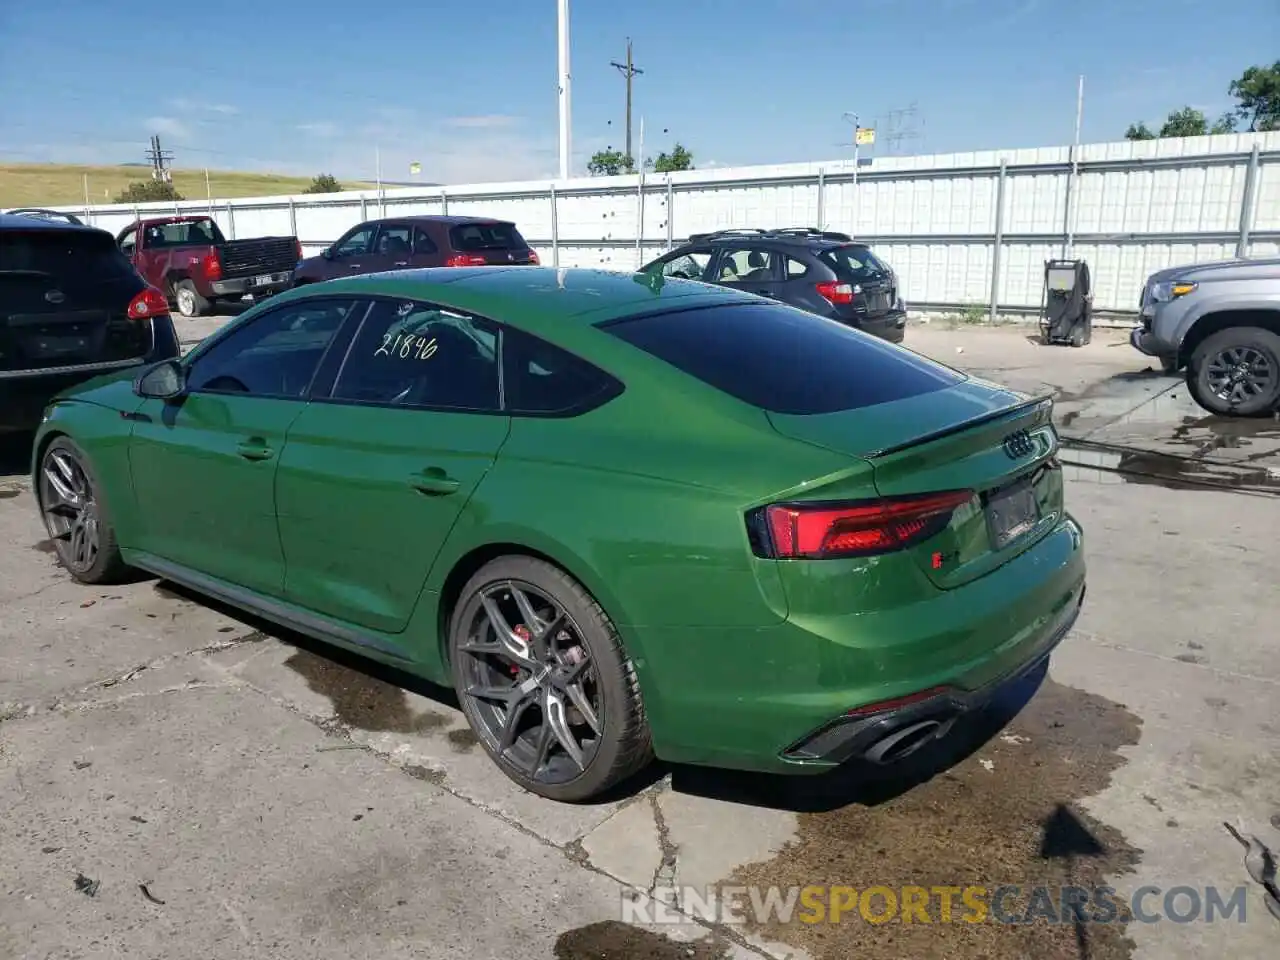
(1066, 308)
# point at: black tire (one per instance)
(188, 300)
(623, 746)
(1257, 347)
(106, 565)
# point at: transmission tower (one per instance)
(159, 159)
(897, 126)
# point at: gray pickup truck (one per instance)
(1221, 321)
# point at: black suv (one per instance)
(821, 271)
(71, 307)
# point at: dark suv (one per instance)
(403, 243)
(823, 272)
(71, 307)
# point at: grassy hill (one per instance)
(54, 185)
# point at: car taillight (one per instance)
(149, 303)
(835, 292)
(533, 258)
(897, 703)
(465, 260)
(297, 245)
(211, 265)
(858, 529)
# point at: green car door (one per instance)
(203, 464)
(376, 472)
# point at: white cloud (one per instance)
(483, 121)
(320, 128)
(187, 106)
(169, 126)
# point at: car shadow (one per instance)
(852, 783)
(15, 454)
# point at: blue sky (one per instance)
(469, 89)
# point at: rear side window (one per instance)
(541, 380)
(855, 264)
(469, 237)
(72, 258)
(784, 360)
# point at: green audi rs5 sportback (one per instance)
(623, 516)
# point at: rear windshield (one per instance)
(184, 233)
(854, 263)
(72, 258)
(467, 237)
(784, 360)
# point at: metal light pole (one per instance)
(564, 80)
(1073, 184)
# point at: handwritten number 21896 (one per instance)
(405, 346)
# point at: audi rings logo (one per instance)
(1019, 444)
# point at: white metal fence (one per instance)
(961, 229)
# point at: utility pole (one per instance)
(628, 70)
(566, 123)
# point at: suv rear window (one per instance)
(784, 360)
(74, 258)
(856, 264)
(470, 237)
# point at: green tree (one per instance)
(678, 159)
(324, 183)
(1139, 131)
(610, 163)
(149, 191)
(1257, 93)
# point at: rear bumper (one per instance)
(891, 327)
(25, 394)
(240, 286)
(765, 699)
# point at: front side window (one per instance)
(687, 266)
(274, 355)
(354, 244)
(413, 354)
(746, 265)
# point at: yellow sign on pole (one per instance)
(865, 136)
(415, 168)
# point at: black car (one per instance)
(71, 307)
(820, 271)
(42, 214)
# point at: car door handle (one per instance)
(401, 263)
(433, 482)
(255, 450)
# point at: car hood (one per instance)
(1191, 270)
(114, 390)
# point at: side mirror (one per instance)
(327, 253)
(162, 381)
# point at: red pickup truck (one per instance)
(189, 259)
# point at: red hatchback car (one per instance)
(403, 243)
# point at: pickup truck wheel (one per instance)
(190, 303)
(1236, 372)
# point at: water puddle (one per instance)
(1107, 463)
(360, 701)
(1004, 815)
(613, 940)
(463, 740)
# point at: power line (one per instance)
(629, 71)
(159, 161)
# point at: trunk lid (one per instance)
(974, 435)
(875, 286)
(262, 256)
(495, 243)
(64, 298)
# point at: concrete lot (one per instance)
(228, 790)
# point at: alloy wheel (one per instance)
(186, 302)
(1239, 374)
(70, 509)
(531, 687)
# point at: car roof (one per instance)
(540, 300)
(11, 221)
(811, 238)
(438, 218)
